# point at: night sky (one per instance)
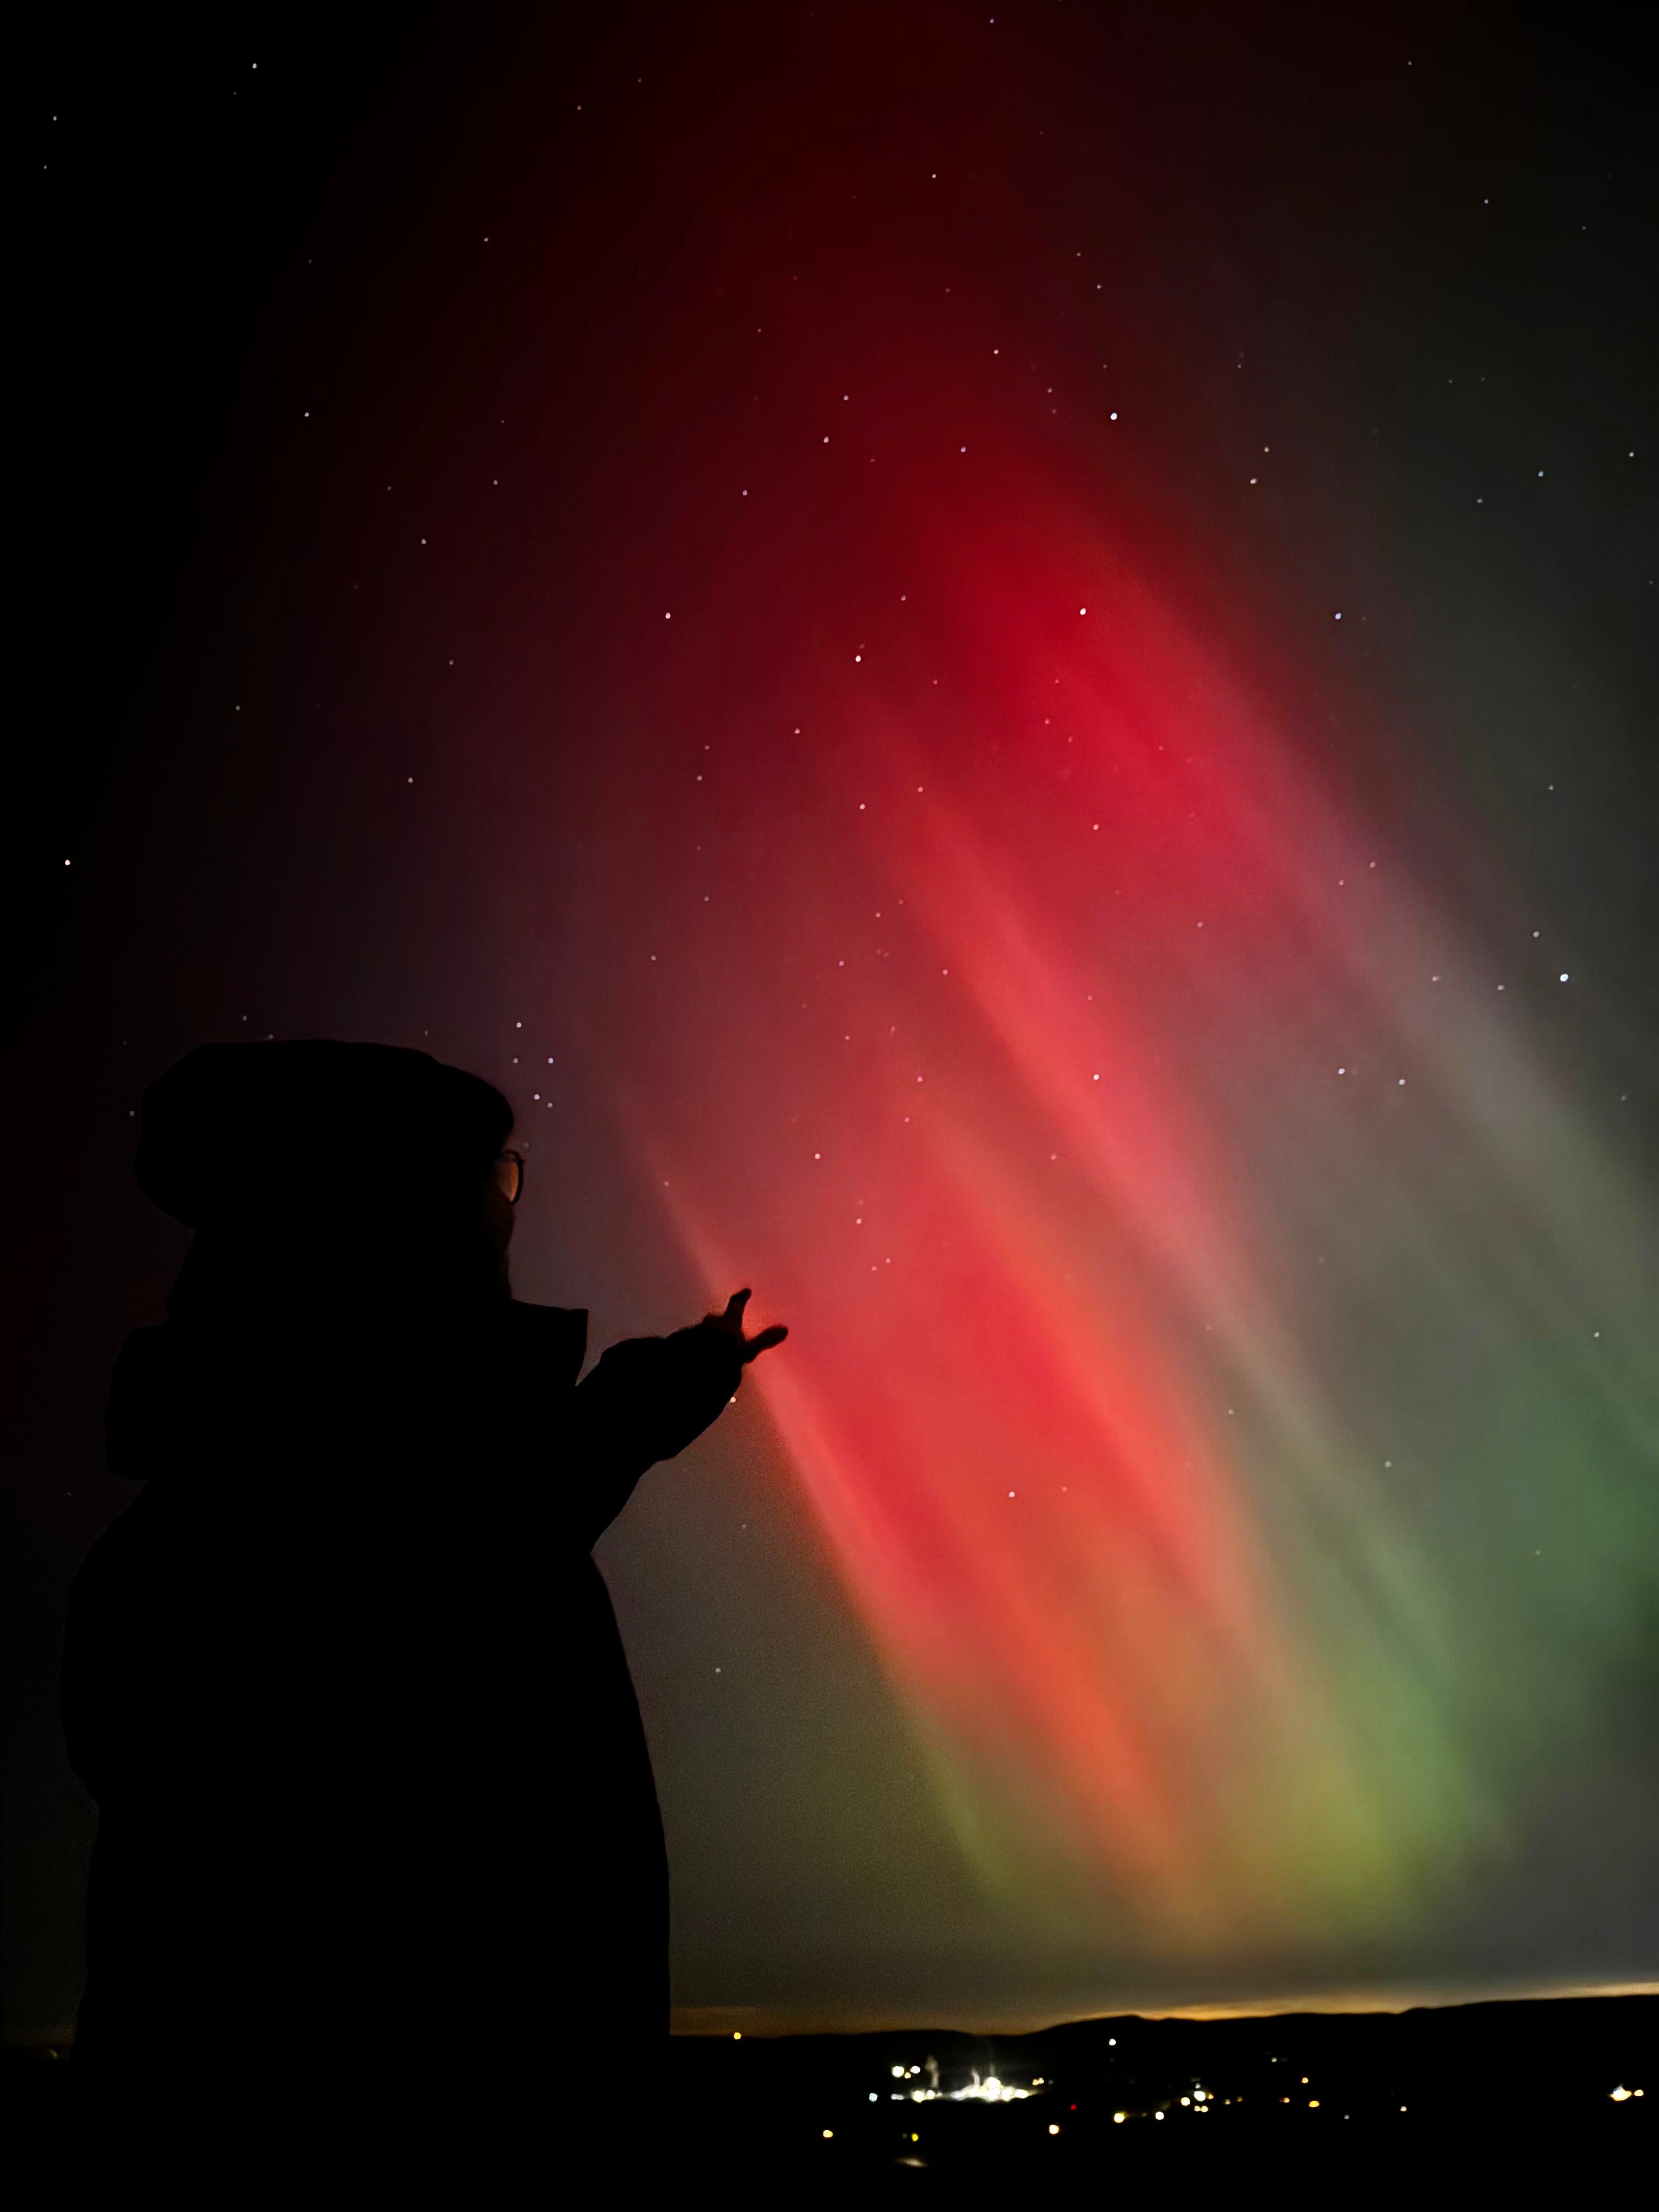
(1000, 662)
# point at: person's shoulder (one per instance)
(525, 1314)
(142, 1387)
(558, 1334)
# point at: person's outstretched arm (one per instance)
(647, 1398)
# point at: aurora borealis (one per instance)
(1000, 667)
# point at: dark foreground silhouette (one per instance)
(344, 1681)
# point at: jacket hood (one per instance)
(276, 1132)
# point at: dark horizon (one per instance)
(1125, 2095)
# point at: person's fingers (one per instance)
(737, 1302)
(765, 1340)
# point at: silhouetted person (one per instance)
(344, 1681)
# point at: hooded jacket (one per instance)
(345, 1684)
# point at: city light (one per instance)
(991, 2091)
(988, 2092)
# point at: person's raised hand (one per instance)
(731, 1321)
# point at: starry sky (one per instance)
(1001, 664)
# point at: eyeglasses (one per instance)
(509, 1175)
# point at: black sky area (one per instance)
(167, 194)
(164, 213)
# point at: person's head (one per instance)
(317, 1172)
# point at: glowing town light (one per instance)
(991, 2091)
